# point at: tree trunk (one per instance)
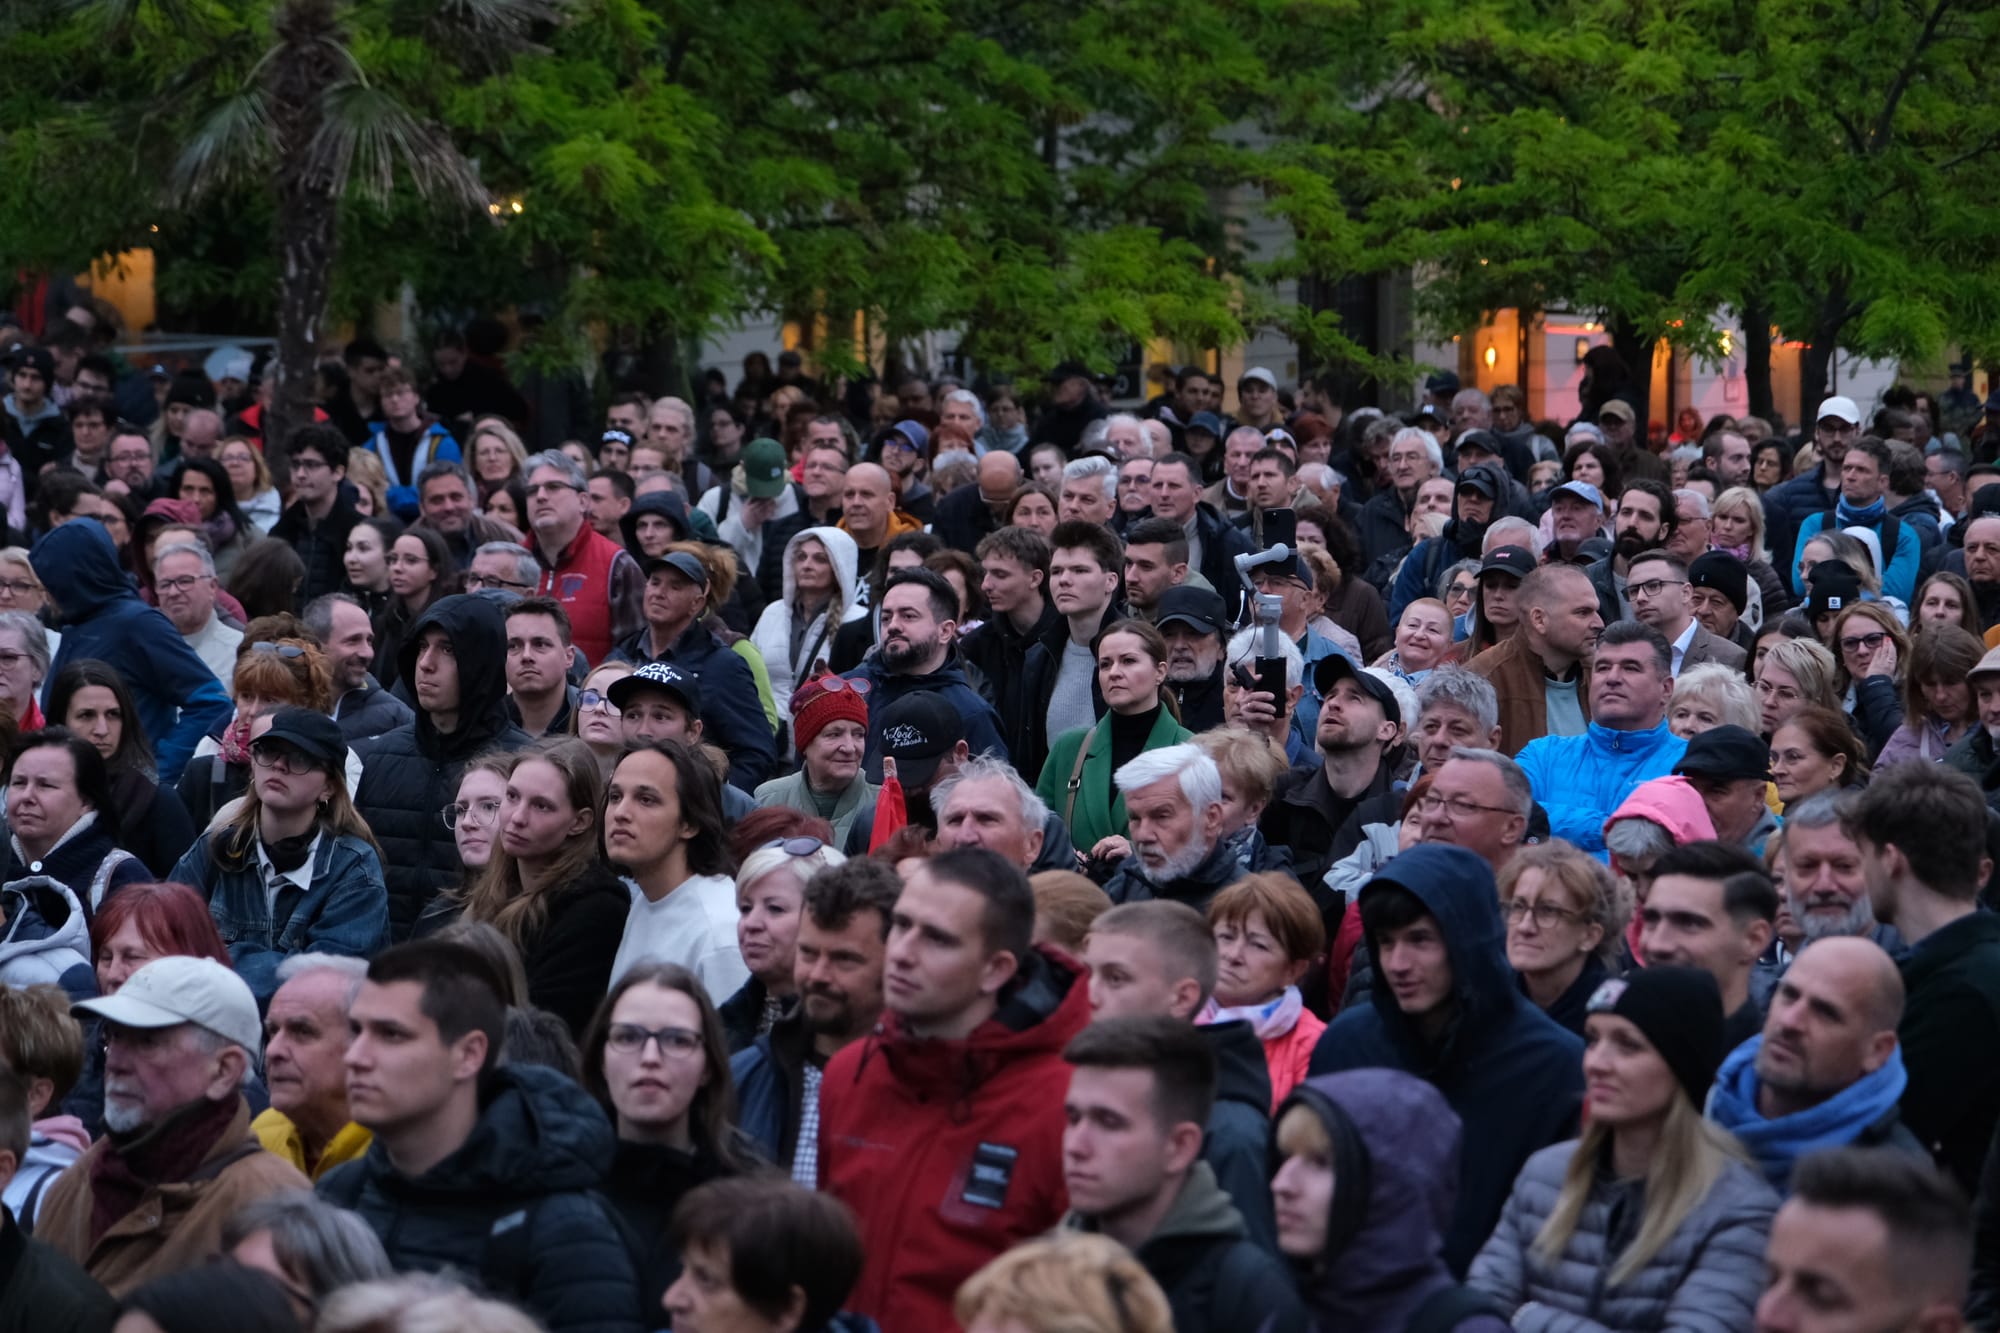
(1637, 353)
(1818, 359)
(1757, 359)
(305, 65)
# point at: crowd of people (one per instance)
(915, 854)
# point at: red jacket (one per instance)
(950, 1152)
(599, 585)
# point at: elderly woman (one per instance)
(770, 895)
(1423, 639)
(1938, 708)
(1736, 527)
(830, 724)
(1564, 922)
(1816, 750)
(1267, 931)
(1711, 695)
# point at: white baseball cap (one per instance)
(177, 989)
(1259, 373)
(1840, 408)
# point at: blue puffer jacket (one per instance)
(179, 698)
(1503, 1065)
(345, 912)
(1580, 780)
(435, 446)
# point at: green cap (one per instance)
(763, 465)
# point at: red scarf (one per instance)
(169, 1151)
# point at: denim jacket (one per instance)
(346, 911)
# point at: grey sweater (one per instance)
(1706, 1279)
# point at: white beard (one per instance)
(1178, 864)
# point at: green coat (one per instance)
(792, 791)
(1100, 806)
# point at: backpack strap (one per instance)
(1076, 775)
(102, 879)
(1448, 1307)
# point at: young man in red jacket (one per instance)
(943, 1131)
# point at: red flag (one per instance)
(890, 812)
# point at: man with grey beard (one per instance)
(1820, 880)
(1173, 805)
(181, 1038)
(1193, 622)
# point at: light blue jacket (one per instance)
(1899, 580)
(1580, 780)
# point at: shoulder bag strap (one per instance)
(1076, 775)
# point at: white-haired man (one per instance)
(1125, 436)
(184, 579)
(1414, 458)
(1089, 491)
(181, 1038)
(305, 1049)
(597, 581)
(1173, 809)
(986, 804)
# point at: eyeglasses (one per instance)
(483, 811)
(1654, 587)
(19, 587)
(186, 583)
(590, 699)
(631, 1039)
(551, 488)
(1851, 643)
(474, 582)
(1783, 693)
(288, 651)
(1462, 589)
(282, 756)
(835, 684)
(1458, 807)
(305, 464)
(1547, 915)
(8, 661)
(799, 846)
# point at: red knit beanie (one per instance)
(814, 705)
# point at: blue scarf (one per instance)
(1847, 516)
(1777, 1145)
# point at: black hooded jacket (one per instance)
(539, 1149)
(410, 774)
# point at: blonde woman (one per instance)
(250, 480)
(1070, 1283)
(1654, 1219)
(1736, 527)
(496, 455)
(371, 483)
(1795, 674)
(1708, 696)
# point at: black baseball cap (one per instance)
(918, 731)
(662, 676)
(681, 563)
(1483, 440)
(1726, 752)
(1195, 607)
(1336, 667)
(312, 734)
(1480, 478)
(1513, 560)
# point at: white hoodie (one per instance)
(773, 633)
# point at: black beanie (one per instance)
(1680, 1011)
(1725, 574)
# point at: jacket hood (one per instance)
(42, 914)
(1395, 1157)
(1458, 889)
(846, 557)
(538, 1133)
(1046, 1004)
(184, 512)
(1673, 804)
(664, 503)
(477, 630)
(78, 564)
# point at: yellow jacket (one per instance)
(275, 1130)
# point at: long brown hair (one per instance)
(499, 896)
(712, 1113)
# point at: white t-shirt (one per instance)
(694, 926)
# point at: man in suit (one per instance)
(1658, 586)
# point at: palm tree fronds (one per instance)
(367, 136)
(233, 139)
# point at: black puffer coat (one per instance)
(410, 774)
(540, 1147)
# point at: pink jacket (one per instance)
(1289, 1055)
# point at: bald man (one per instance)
(972, 511)
(1826, 1072)
(868, 510)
